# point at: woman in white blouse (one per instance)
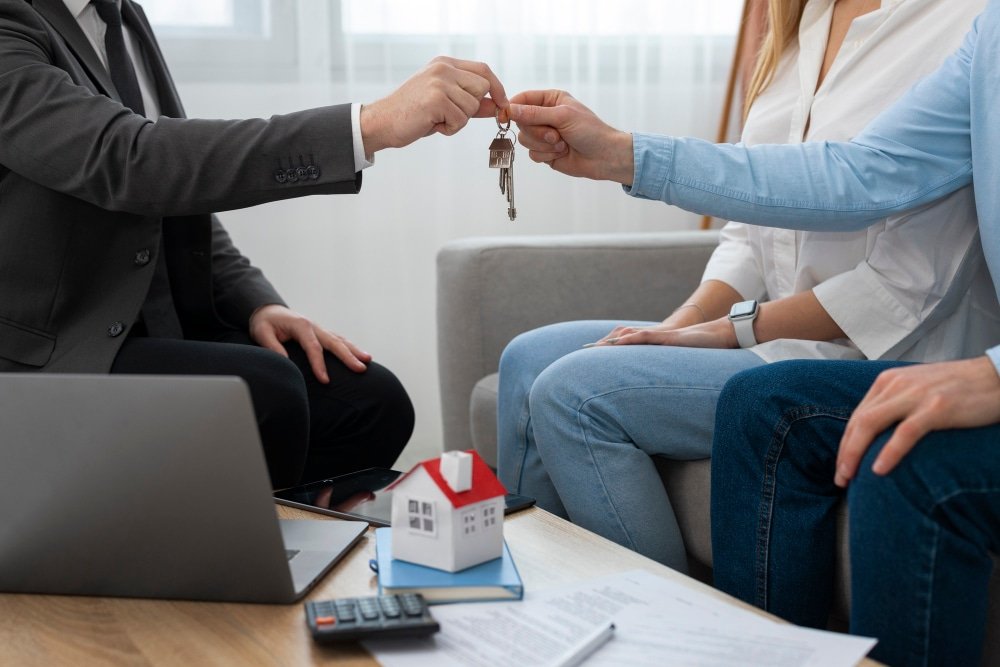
(578, 427)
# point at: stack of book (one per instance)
(496, 579)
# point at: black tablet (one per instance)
(361, 495)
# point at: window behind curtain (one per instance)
(375, 40)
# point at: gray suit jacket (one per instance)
(90, 193)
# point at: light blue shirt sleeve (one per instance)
(917, 151)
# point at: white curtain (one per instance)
(365, 265)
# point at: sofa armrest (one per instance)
(491, 289)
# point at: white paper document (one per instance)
(492, 634)
(657, 622)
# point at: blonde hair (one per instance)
(783, 17)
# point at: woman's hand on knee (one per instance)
(713, 334)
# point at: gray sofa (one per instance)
(491, 289)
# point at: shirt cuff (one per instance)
(855, 300)
(361, 161)
(994, 354)
(653, 155)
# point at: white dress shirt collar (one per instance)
(76, 7)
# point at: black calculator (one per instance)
(351, 619)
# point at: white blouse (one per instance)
(914, 287)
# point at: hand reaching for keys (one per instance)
(440, 98)
(560, 131)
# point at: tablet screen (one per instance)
(357, 495)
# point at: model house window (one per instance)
(489, 516)
(420, 517)
(469, 523)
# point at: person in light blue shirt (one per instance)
(913, 444)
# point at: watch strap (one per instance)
(744, 332)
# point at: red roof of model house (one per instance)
(485, 484)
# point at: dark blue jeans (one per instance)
(920, 537)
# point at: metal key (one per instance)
(502, 158)
(511, 211)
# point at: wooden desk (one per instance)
(62, 630)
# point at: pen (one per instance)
(588, 645)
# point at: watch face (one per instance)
(743, 309)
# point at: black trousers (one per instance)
(309, 430)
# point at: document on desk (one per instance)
(657, 621)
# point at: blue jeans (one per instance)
(578, 428)
(920, 537)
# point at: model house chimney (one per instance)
(456, 468)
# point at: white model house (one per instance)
(448, 513)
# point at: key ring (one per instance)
(503, 128)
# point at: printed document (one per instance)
(657, 621)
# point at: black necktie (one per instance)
(119, 62)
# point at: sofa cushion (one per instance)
(483, 417)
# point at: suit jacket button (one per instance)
(301, 173)
(142, 257)
(116, 329)
(291, 175)
(280, 176)
(313, 172)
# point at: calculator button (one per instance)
(390, 607)
(326, 620)
(345, 613)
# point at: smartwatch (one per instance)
(742, 316)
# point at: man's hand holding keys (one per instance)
(441, 98)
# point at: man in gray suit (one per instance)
(111, 259)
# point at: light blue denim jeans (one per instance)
(577, 427)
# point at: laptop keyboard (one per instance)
(291, 553)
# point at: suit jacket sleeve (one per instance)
(67, 138)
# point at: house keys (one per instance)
(502, 158)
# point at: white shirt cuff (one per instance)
(873, 319)
(994, 354)
(361, 161)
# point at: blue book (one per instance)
(495, 579)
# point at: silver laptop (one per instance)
(144, 486)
